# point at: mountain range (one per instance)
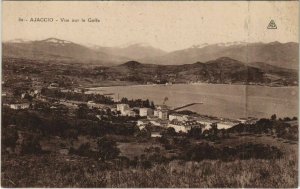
(57, 50)
(277, 54)
(280, 55)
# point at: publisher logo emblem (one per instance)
(272, 25)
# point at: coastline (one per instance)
(176, 84)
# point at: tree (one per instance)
(195, 132)
(107, 149)
(144, 133)
(84, 150)
(152, 105)
(273, 117)
(17, 92)
(169, 132)
(82, 111)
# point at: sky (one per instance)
(166, 25)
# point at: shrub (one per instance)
(107, 149)
(243, 151)
(9, 137)
(84, 150)
(31, 145)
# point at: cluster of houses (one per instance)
(23, 102)
(162, 116)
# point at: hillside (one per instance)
(221, 70)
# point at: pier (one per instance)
(187, 105)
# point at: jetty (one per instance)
(187, 105)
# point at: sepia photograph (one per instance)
(149, 94)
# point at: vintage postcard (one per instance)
(139, 94)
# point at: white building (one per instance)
(23, 95)
(185, 126)
(19, 106)
(226, 124)
(76, 90)
(130, 113)
(248, 120)
(123, 108)
(146, 112)
(178, 117)
(180, 128)
(163, 114)
(143, 122)
(155, 135)
(92, 104)
(242, 120)
(206, 122)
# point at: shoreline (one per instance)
(196, 84)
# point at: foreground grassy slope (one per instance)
(55, 171)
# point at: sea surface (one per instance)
(221, 100)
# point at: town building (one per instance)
(226, 124)
(158, 122)
(23, 95)
(143, 122)
(79, 90)
(130, 113)
(155, 134)
(19, 106)
(146, 112)
(163, 114)
(92, 104)
(113, 110)
(178, 117)
(123, 108)
(206, 122)
(248, 120)
(184, 126)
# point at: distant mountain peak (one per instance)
(274, 43)
(231, 43)
(200, 45)
(55, 40)
(227, 44)
(225, 58)
(130, 45)
(19, 40)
